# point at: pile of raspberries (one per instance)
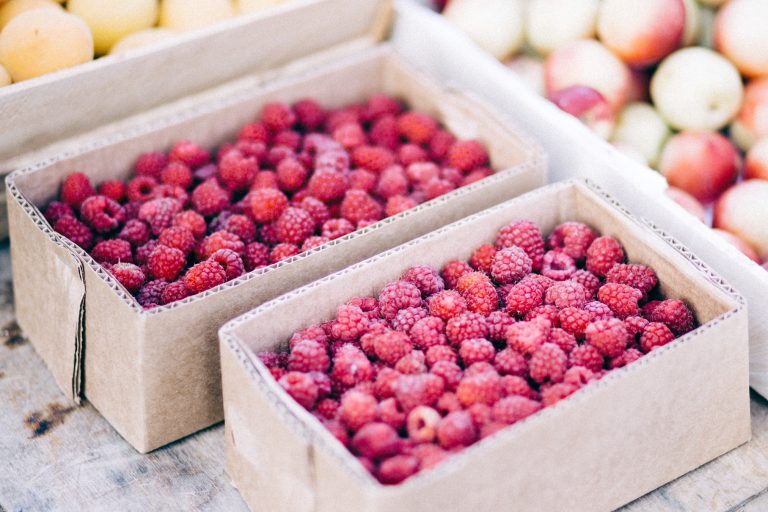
(440, 360)
(293, 180)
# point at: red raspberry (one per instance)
(384, 132)
(336, 118)
(408, 154)
(316, 209)
(448, 403)
(621, 298)
(308, 356)
(416, 127)
(327, 185)
(288, 138)
(204, 276)
(135, 232)
(176, 290)
(237, 171)
(291, 174)
(476, 350)
(563, 339)
(603, 254)
(406, 318)
(357, 409)
(141, 189)
(327, 408)
(177, 173)
(426, 279)
(178, 237)
(553, 394)
(396, 296)
(256, 256)
(675, 314)
(358, 206)
(56, 210)
(143, 252)
(588, 280)
(440, 144)
(422, 173)
(437, 353)
(294, 226)
(309, 114)
(112, 251)
(376, 441)
(349, 135)
(392, 182)
(351, 322)
(337, 228)
(422, 424)
(480, 413)
(548, 364)
(428, 332)
(159, 213)
(478, 174)
(482, 298)
(466, 326)
(391, 346)
(385, 382)
(420, 389)
(263, 179)
(241, 226)
(277, 116)
(254, 132)
(586, 356)
(637, 276)
(549, 313)
(498, 322)
(655, 334)
(578, 376)
(635, 325)
(446, 304)
(362, 179)
(128, 275)
(115, 190)
(411, 363)
(452, 175)
(313, 242)
(166, 262)
(514, 408)
(449, 371)
(598, 310)
(75, 230)
(373, 158)
(453, 270)
(526, 337)
(471, 279)
(436, 188)
(558, 266)
(515, 385)
(628, 356)
(267, 204)
(76, 189)
(282, 251)
(191, 220)
(301, 388)
(101, 213)
(380, 105)
(523, 297)
(396, 469)
(230, 261)
(150, 164)
(572, 238)
(220, 240)
(526, 235)
(189, 153)
(151, 292)
(456, 430)
(351, 368)
(610, 336)
(510, 362)
(565, 294)
(482, 258)
(466, 155)
(480, 367)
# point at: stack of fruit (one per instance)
(679, 85)
(42, 36)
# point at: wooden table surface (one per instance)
(55, 456)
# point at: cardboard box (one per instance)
(611, 442)
(155, 374)
(574, 151)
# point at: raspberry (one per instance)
(654, 335)
(351, 368)
(588, 280)
(101, 213)
(603, 254)
(263, 179)
(635, 325)
(396, 296)
(241, 226)
(291, 174)
(449, 371)
(587, 356)
(510, 362)
(135, 232)
(408, 154)
(350, 323)
(237, 171)
(426, 279)
(628, 356)
(203, 276)
(384, 132)
(189, 153)
(478, 174)
(313, 242)
(294, 226)
(452, 175)
(392, 182)
(482, 298)
(191, 220)
(327, 408)
(151, 292)
(452, 271)
(437, 353)
(578, 376)
(159, 213)
(323, 383)
(598, 310)
(411, 363)
(497, 322)
(446, 304)
(282, 251)
(466, 155)
(565, 340)
(391, 346)
(143, 252)
(565, 294)
(637, 276)
(75, 230)
(380, 105)
(466, 326)
(440, 144)
(56, 210)
(621, 298)
(476, 350)
(549, 313)
(350, 135)
(610, 336)
(128, 275)
(230, 261)
(675, 314)
(406, 318)
(428, 332)
(373, 158)
(415, 390)
(362, 179)
(416, 127)
(267, 204)
(514, 408)
(357, 409)
(376, 440)
(456, 429)
(150, 164)
(448, 403)
(176, 290)
(277, 116)
(76, 189)
(512, 385)
(309, 114)
(396, 469)
(523, 297)
(422, 172)
(436, 188)
(177, 173)
(327, 185)
(526, 235)
(526, 337)
(141, 189)
(114, 189)
(548, 364)
(337, 228)
(166, 262)
(471, 279)
(422, 424)
(480, 413)
(338, 431)
(572, 239)
(385, 382)
(178, 237)
(358, 206)
(256, 256)
(112, 251)
(220, 240)
(308, 356)
(482, 258)
(479, 368)
(300, 387)
(287, 138)
(558, 266)
(553, 394)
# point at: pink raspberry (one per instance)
(675, 314)
(143, 252)
(282, 251)
(422, 424)
(482, 298)
(204, 276)
(392, 182)
(440, 144)
(452, 271)
(56, 210)
(621, 298)
(587, 356)
(449, 371)
(241, 226)
(327, 408)
(455, 430)
(384, 386)
(175, 291)
(291, 174)
(446, 304)
(313, 242)
(75, 230)
(426, 279)
(373, 158)
(526, 235)
(128, 275)
(637, 276)
(421, 389)
(396, 296)
(558, 266)
(406, 318)
(628, 356)
(563, 339)
(437, 353)
(411, 363)
(300, 387)
(578, 376)
(510, 265)
(230, 261)
(309, 114)
(376, 440)
(514, 408)
(396, 469)
(101, 213)
(135, 231)
(598, 310)
(603, 254)
(408, 154)
(256, 255)
(466, 326)
(515, 385)
(350, 324)
(267, 204)
(479, 367)
(351, 368)
(208, 198)
(482, 258)
(76, 189)
(565, 294)
(384, 132)
(556, 392)
(480, 413)
(380, 105)
(421, 173)
(588, 280)
(610, 336)
(655, 334)
(327, 185)
(189, 153)
(548, 363)
(336, 228)
(277, 116)
(111, 251)
(416, 127)
(141, 189)
(220, 240)
(178, 237)
(547, 312)
(510, 362)
(150, 164)
(476, 350)
(191, 220)
(498, 322)
(572, 238)
(362, 179)
(428, 332)
(176, 173)
(358, 206)
(308, 356)
(466, 155)
(523, 297)
(159, 213)
(635, 325)
(166, 262)
(391, 346)
(526, 337)
(357, 409)
(294, 226)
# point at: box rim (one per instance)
(306, 425)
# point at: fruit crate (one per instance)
(154, 374)
(614, 440)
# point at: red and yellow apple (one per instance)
(741, 34)
(588, 105)
(752, 121)
(743, 210)
(756, 162)
(495, 25)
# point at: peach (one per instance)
(703, 164)
(587, 62)
(551, 24)
(743, 210)
(140, 39)
(741, 35)
(588, 105)
(111, 21)
(752, 121)
(687, 202)
(194, 14)
(641, 33)
(495, 25)
(756, 162)
(641, 127)
(246, 6)
(13, 8)
(697, 89)
(530, 70)
(738, 243)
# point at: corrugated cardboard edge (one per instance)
(304, 426)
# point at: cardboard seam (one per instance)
(78, 375)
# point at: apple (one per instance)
(697, 89)
(530, 70)
(587, 62)
(752, 122)
(743, 210)
(738, 243)
(111, 21)
(495, 25)
(756, 162)
(641, 127)
(588, 105)
(551, 24)
(741, 35)
(703, 164)
(641, 33)
(687, 202)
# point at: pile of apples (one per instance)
(679, 85)
(42, 36)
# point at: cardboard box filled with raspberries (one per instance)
(129, 253)
(552, 352)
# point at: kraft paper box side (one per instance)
(168, 379)
(639, 427)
